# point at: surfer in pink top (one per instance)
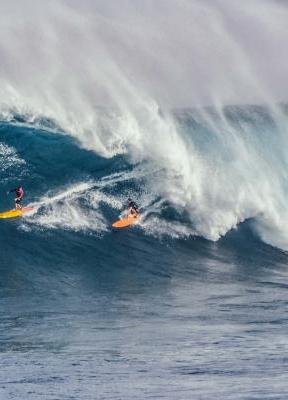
(19, 197)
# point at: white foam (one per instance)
(10, 161)
(159, 227)
(72, 208)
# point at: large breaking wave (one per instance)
(199, 172)
(146, 106)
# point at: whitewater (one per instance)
(180, 106)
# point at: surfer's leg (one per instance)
(133, 212)
(17, 204)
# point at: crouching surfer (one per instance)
(19, 196)
(131, 218)
(133, 209)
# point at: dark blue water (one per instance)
(91, 313)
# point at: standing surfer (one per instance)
(19, 196)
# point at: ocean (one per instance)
(174, 307)
(180, 105)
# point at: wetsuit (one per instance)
(19, 196)
(133, 207)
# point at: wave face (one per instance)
(194, 172)
(101, 102)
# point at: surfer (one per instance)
(19, 196)
(133, 215)
(133, 208)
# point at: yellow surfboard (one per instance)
(130, 220)
(16, 213)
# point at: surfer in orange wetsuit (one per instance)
(133, 208)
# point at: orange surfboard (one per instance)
(122, 223)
